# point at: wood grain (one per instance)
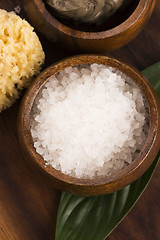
(28, 201)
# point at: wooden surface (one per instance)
(28, 201)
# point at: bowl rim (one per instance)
(136, 17)
(119, 179)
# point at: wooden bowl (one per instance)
(105, 184)
(113, 34)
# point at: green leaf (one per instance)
(90, 218)
(152, 73)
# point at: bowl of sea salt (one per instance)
(91, 123)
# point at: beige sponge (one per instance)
(21, 56)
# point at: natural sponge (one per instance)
(21, 56)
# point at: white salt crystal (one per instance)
(89, 121)
(17, 9)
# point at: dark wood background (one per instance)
(28, 201)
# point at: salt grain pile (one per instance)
(89, 121)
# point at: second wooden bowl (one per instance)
(113, 34)
(105, 184)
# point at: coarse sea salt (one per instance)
(89, 121)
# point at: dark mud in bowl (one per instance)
(118, 31)
(120, 16)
